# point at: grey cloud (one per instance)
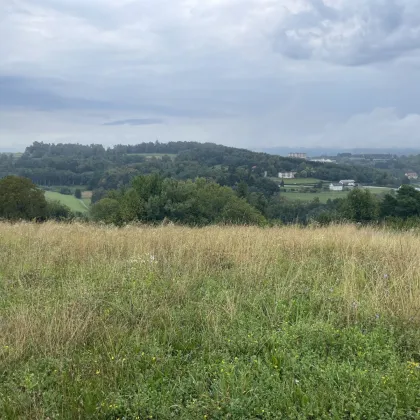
(351, 32)
(136, 121)
(31, 94)
(80, 70)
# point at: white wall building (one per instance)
(298, 155)
(287, 175)
(336, 187)
(348, 183)
(412, 175)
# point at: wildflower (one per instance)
(98, 372)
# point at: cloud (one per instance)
(240, 72)
(350, 32)
(383, 127)
(136, 121)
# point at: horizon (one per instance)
(244, 73)
(281, 151)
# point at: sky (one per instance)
(245, 73)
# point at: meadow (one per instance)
(324, 196)
(211, 323)
(75, 205)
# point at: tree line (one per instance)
(102, 169)
(153, 199)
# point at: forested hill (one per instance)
(96, 167)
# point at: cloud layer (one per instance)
(241, 72)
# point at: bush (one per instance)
(21, 199)
(58, 211)
(65, 191)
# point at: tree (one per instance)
(78, 193)
(106, 210)
(360, 206)
(405, 181)
(20, 198)
(58, 211)
(242, 190)
(65, 191)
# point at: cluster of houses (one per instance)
(345, 183)
(287, 175)
(412, 175)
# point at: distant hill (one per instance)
(95, 167)
(320, 151)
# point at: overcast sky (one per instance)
(248, 73)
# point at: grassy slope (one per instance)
(69, 200)
(297, 181)
(302, 181)
(214, 323)
(324, 196)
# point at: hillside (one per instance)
(97, 167)
(213, 323)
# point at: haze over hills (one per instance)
(324, 151)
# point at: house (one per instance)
(287, 175)
(323, 160)
(348, 182)
(412, 175)
(336, 187)
(298, 155)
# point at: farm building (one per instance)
(348, 182)
(298, 155)
(287, 175)
(412, 175)
(336, 187)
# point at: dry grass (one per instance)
(69, 289)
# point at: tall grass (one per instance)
(219, 322)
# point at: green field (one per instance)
(298, 181)
(322, 196)
(303, 181)
(214, 323)
(68, 200)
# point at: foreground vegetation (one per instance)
(218, 322)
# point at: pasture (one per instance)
(213, 323)
(70, 201)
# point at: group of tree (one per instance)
(21, 199)
(154, 199)
(103, 169)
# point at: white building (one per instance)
(412, 175)
(348, 182)
(287, 175)
(323, 160)
(298, 155)
(336, 187)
